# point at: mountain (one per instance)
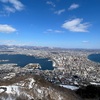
(33, 87)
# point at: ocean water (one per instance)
(94, 57)
(22, 60)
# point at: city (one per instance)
(69, 64)
(49, 50)
(72, 68)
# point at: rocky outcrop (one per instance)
(33, 88)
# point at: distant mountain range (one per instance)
(45, 48)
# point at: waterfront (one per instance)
(72, 68)
(94, 57)
(23, 60)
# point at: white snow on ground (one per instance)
(70, 87)
(93, 83)
(20, 84)
(60, 98)
(12, 89)
(39, 91)
(17, 89)
(1, 90)
(32, 81)
(30, 97)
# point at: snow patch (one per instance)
(70, 87)
(20, 84)
(1, 90)
(12, 89)
(60, 98)
(32, 81)
(30, 97)
(93, 83)
(39, 91)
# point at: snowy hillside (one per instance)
(34, 88)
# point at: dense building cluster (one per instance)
(71, 67)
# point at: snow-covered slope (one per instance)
(34, 88)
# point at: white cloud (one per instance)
(49, 30)
(59, 11)
(18, 43)
(85, 41)
(51, 3)
(4, 28)
(58, 31)
(4, 1)
(7, 42)
(53, 31)
(15, 5)
(9, 9)
(76, 25)
(73, 6)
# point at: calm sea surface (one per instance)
(23, 60)
(94, 57)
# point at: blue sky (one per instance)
(52, 23)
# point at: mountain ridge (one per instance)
(33, 87)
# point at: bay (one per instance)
(94, 57)
(23, 60)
